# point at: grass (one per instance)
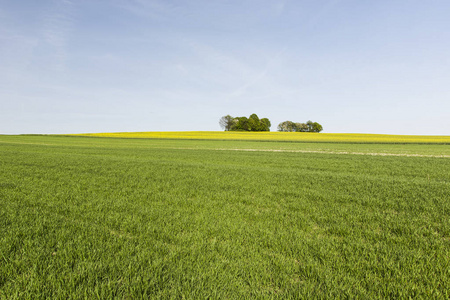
(153, 218)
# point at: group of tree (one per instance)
(310, 126)
(253, 123)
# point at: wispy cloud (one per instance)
(154, 9)
(258, 77)
(236, 78)
(220, 64)
(322, 13)
(279, 7)
(57, 24)
(16, 51)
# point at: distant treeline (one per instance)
(253, 123)
(310, 126)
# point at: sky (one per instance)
(354, 66)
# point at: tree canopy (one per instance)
(226, 122)
(289, 126)
(252, 123)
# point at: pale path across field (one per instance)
(324, 152)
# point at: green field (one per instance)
(89, 217)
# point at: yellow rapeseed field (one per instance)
(278, 136)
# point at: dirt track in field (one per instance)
(335, 152)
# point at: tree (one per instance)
(253, 123)
(301, 127)
(265, 124)
(286, 126)
(242, 124)
(310, 126)
(227, 122)
(282, 126)
(317, 127)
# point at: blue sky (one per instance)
(360, 66)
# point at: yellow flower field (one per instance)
(278, 136)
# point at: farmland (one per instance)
(280, 136)
(245, 216)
